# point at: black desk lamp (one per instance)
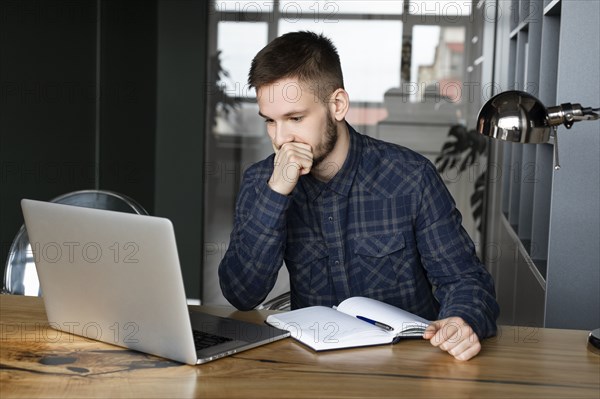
(519, 117)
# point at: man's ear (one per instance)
(339, 104)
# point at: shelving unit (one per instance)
(527, 180)
(536, 284)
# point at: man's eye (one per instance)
(269, 121)
(296, 118)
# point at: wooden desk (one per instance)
(36, 361)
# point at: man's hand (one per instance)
(454, 336)
(292, 160)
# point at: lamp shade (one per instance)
(514, 116)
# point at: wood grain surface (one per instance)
(521, 362)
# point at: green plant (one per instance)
(223, 103)
(463, 151)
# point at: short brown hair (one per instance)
(307, 56)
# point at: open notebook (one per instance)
(357, 321)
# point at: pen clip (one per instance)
(375, 323)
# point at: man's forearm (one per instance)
(472, 299)
(249, 269)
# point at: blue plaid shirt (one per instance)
(384, 227)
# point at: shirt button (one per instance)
(337, 263)
(330, 218)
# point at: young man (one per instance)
(349, 215)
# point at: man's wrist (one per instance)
(271, 212)
(278, 188)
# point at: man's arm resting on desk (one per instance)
(463, 287)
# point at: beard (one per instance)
(328, 143)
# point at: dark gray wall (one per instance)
(57, 58)
(127, 112)
(47, 104)
(182, 49)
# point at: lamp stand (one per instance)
(594, 340)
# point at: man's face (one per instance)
(294, 114)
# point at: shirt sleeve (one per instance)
(249, 269)
(462, 285)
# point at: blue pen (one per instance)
(375, 323)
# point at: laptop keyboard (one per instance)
(204, 340)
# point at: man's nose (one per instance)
(282, 136)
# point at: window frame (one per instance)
(274, 15)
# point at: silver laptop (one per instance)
(115, 277)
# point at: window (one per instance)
(330, 10)
(370, 66)
(383, 45)
(239, 42)
(437, 62)
(445, 8)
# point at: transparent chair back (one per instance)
(20, 275)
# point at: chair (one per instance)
(280, 302)
(20, 276)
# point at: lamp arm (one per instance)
(568, 114)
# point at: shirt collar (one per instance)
(342, 181)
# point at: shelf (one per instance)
(522, 27)
(528, 170)
(546, 263)
(542, 267)
(553, 8)
(550, 41)
(515, 177)
(522, 251)
(526, 203)
(506, 168)
(526, 244)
